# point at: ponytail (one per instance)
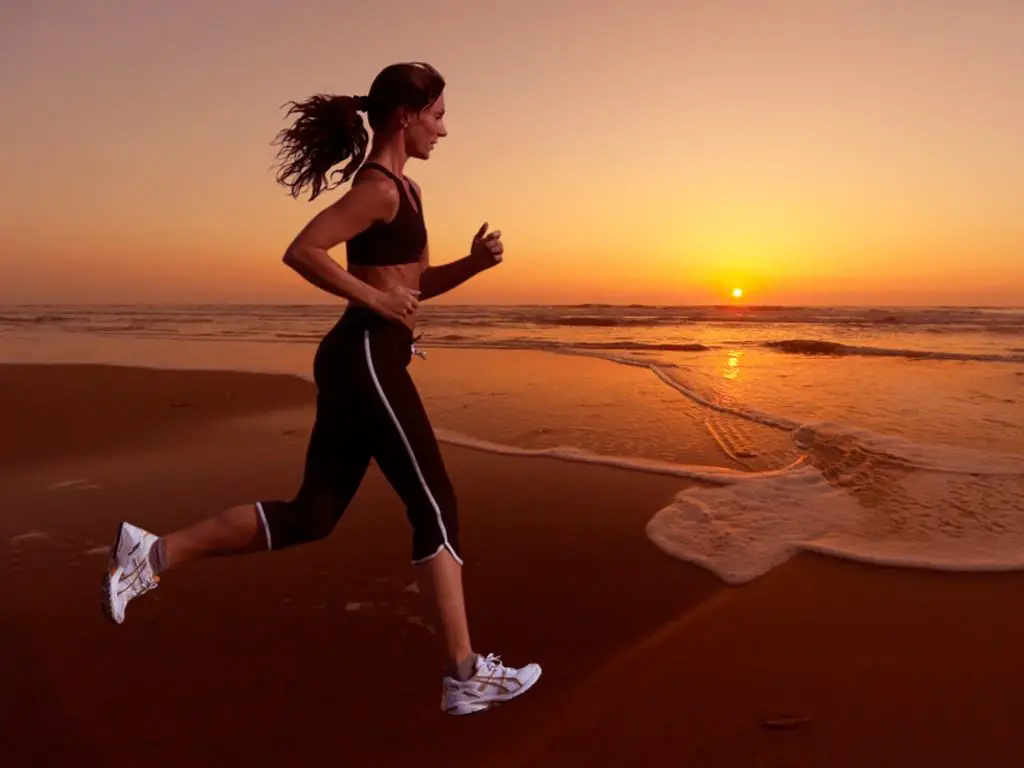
(327, 131)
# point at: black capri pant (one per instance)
(368, 408)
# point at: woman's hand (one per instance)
(487, 249)
(396, 303)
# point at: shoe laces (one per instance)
(491, 663)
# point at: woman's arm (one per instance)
(485, 253)
(437, 280)
(308, 255)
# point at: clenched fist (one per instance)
(397, 302)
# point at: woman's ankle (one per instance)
(462, 669)
(158, 556)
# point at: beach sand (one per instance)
(323, 653)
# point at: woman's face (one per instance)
(425, 129)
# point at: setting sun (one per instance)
(737, 293)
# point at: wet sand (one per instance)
(322, 653)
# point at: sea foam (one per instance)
(860, 496)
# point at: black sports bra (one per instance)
(399, 241)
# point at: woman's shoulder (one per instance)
(374, 194)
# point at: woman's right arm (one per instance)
(365, 203)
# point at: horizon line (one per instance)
(575, 305)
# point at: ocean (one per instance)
(888, 435)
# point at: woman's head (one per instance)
(404, 99)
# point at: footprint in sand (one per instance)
(30, 536)
(419, 621)
(81, 484)
(59, 541)
(22, 546)
(400, 610)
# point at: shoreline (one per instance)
(290, 390)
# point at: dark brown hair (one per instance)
(329, 129)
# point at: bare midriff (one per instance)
(389, 277)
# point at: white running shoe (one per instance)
(491, 684)
(130, 573)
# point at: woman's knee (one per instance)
(307, 518)
(436, 528)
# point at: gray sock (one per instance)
(464, 669)
(158, 556)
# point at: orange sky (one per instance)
(808, 151)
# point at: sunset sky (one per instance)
(806, 151)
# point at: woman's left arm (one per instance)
(486, 252)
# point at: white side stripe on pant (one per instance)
(266, 528)
(412, 456)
